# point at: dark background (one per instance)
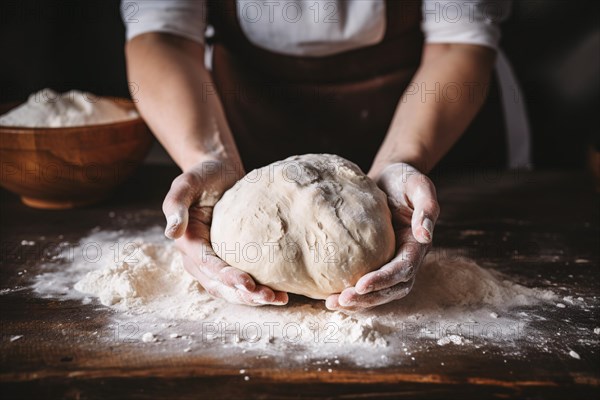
(554, 46)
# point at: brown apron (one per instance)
(280, 105)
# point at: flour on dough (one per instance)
(310, 225)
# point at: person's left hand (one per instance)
(413, 203)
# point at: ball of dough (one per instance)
(310, 225)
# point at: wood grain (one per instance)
(67, 351)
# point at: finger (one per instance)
(195, 244)
(212, 287)
(281, 298)
(183, 193)
(421, 193)
(206, 261)
(332, 303)
(264, 295)
(261, 296)
(401, 268)
(349, 299)
(214, 268)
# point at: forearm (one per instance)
(176, 98)
(445, 95)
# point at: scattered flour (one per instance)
(148, 337)
(141, 277)
(574, 355)
(454, 339)
(49, 109)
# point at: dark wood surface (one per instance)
(551, 220)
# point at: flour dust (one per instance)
(140, 278)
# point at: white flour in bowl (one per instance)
(141, 277)
(48, 109)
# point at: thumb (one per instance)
(426, 209)
(182, 194)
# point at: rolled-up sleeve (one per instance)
(468, 21)
(185, 18)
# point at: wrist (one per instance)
(415, 155)
(404, 165)
(393, 169)
(192, 159)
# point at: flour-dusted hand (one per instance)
(413, 202)
(188, 208)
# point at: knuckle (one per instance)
(407, 270)
(431, 206)
(168, 203)
(228, 272)
(429, 185)
(411, 251)
(180, 187)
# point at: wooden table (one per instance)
(552, 222)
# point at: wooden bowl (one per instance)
(58, 168)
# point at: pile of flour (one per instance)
(141, 277)
(49, 109)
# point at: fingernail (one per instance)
(428, 226)
(173, 221)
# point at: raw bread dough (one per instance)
(311, 225)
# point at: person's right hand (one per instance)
(188, 208)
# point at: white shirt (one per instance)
(320, 27)
(314, 28)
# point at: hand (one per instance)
(188, 208)
(413, 203)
